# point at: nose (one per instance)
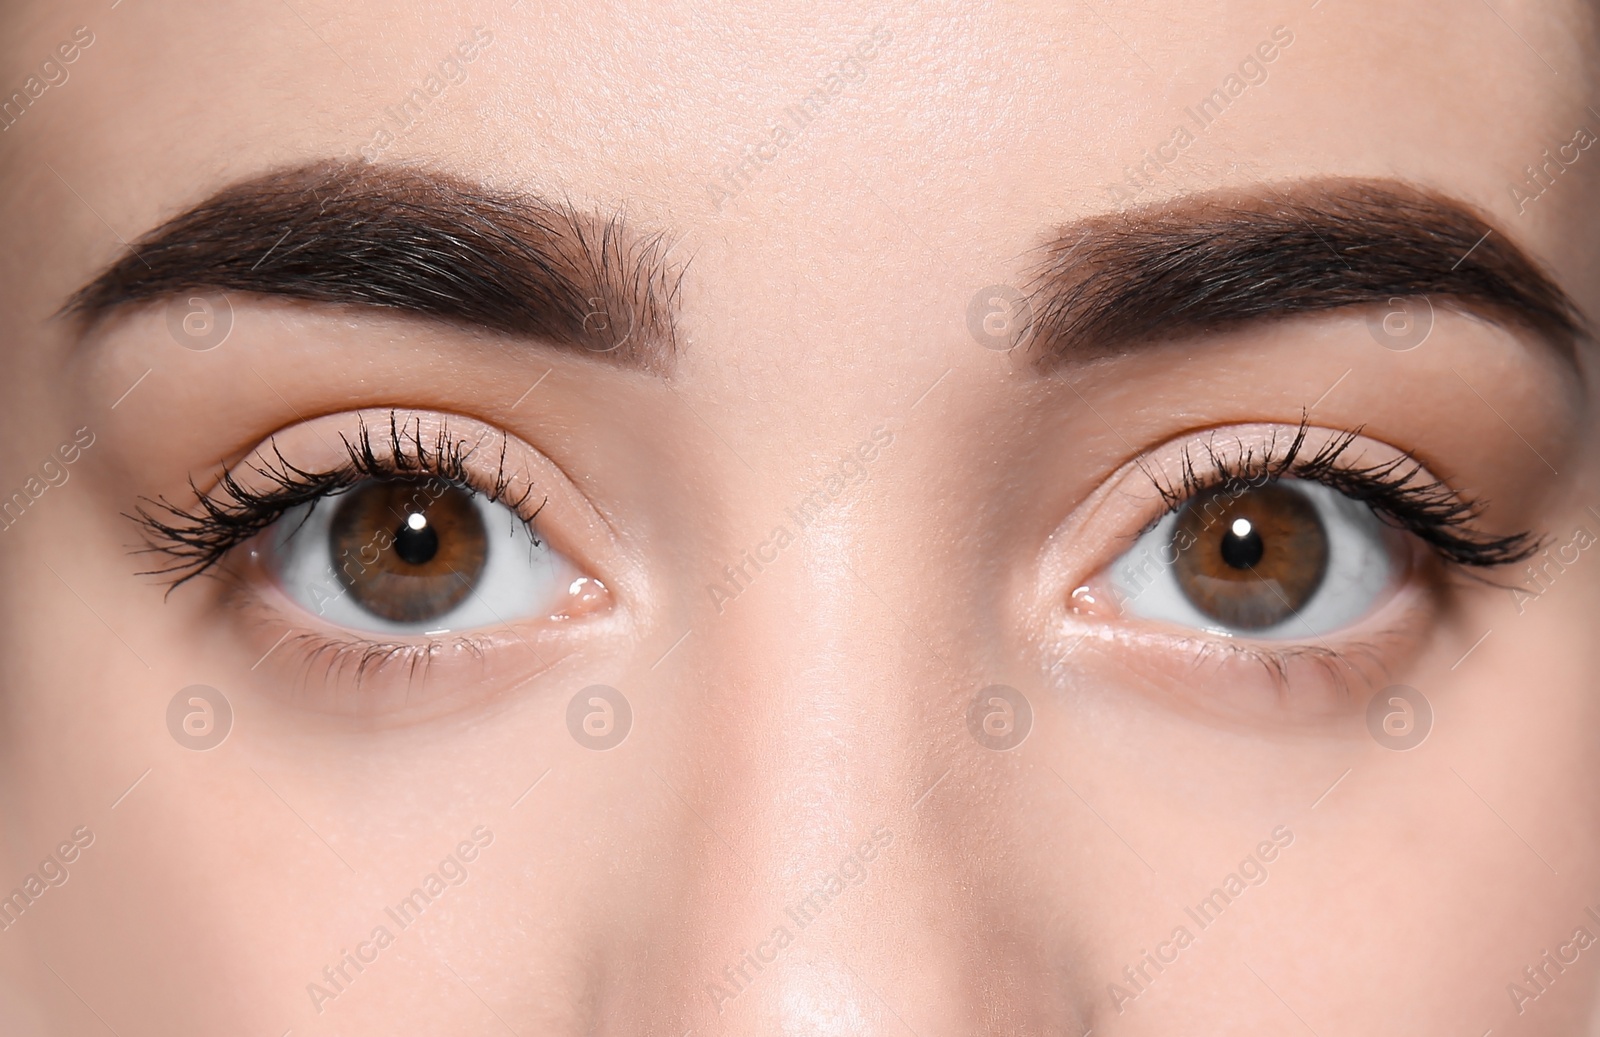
(824, 905)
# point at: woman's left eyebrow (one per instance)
(427, 243)
(1112, 282)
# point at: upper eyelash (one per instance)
(1397, 490)
(197, 538)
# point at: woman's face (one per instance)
(811, 521)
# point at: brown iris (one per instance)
(1250, 559)
(408, 551)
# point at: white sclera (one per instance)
(1359, 571)
(520, 577)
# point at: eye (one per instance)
(1289, 558)
(412, 556)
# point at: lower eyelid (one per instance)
(292, 656)
(295, 659)
(1090, 648)
(1238, 682)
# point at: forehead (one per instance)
(890, 144)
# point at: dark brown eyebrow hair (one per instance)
(1210, 261)
(414, 240)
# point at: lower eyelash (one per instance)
(1398, 491)
(371, 656)
(1355, 662)
(308, 655)
(197, 538)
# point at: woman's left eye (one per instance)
(413, 556)
(1287, 559)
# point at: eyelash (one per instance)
(196, 539)
(1398, 491)
(199, 538)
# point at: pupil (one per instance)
(416, 543)
(1242, 547)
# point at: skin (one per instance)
(773, 736)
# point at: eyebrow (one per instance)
(423, 242)
(1209, 262)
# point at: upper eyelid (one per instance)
(1271, 465)
(1400, 490)
(1254, 473)
(199, 538)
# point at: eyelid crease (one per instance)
(197, 539)
(1399, 491)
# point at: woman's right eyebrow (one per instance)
(423, 242)
(1111, 282)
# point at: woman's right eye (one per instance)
(406, 556)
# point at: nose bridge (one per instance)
(815, 664)
(804, 771)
